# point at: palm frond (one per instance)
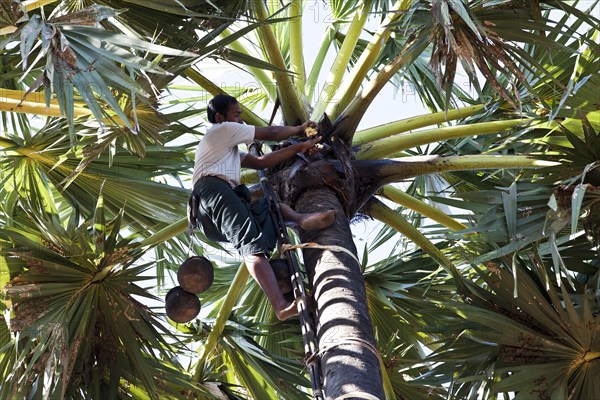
(78, 289)
(543, 333)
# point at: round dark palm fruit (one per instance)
(181, 306)
(196, 274)
(282, 273)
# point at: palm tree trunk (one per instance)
(349, 359)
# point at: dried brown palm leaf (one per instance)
(455, 36)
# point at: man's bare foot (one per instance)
(289, 311)
(317, 221)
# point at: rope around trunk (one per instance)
(313, 245)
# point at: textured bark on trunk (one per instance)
(345, 335)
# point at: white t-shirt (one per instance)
(218, 153)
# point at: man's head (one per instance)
(224, 108)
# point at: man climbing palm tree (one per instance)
(223, 206)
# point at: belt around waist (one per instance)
(211, 178)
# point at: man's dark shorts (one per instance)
(226, 214)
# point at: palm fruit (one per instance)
(181, 306)
(196, 274)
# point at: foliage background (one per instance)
(501, 286)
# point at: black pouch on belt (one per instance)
(196, 219)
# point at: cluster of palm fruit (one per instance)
(194, 276)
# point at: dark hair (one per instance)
(219, 104)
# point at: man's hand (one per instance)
(309, 144)
(279, 133)
(273, 158)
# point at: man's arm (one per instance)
(278, 133)
(275, 157)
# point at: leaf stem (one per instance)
(391, 145)
(401, 198)
(35, 103)
(296, 56)
(404, 168)
(332, 84)
(416, 122)
(264, 80)
(166, 233)
(231, 299)
(591, 355)
(291, 105)
(249, 116)
(311, 82)
(383, 213)
(351, 85)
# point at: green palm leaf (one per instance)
(85, 193)
(78, 291)
(541, 334)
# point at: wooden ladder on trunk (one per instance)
(306, 318)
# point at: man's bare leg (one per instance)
(308, 222)
(260, 269)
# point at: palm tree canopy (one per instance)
(489, 202)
